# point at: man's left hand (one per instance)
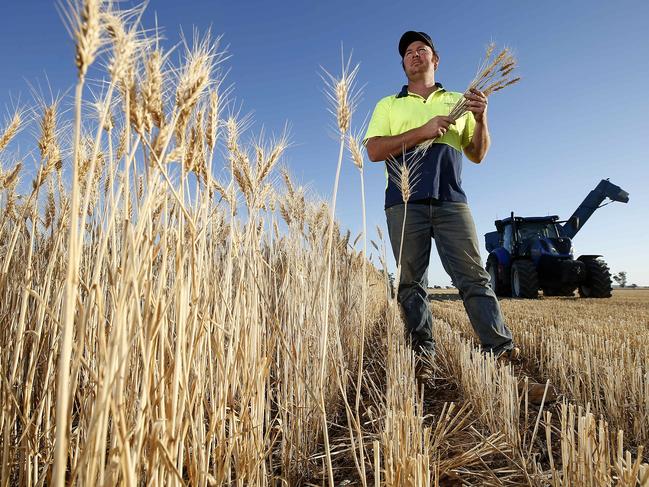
(476, 104)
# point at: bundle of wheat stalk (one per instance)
(495, 72)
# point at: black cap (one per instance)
(412, 36)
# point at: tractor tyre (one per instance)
(598, 279)
(525, 280)
(497, 280)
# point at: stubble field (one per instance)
(593, 351)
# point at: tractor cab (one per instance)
(537, 237)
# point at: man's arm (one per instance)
(382, 147)
(480, 142)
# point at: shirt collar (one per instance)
(404, 90)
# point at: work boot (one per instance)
(535, 392)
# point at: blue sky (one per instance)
(579, 115)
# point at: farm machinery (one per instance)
(531, 253)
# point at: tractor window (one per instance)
(507, 238)
(536, 230)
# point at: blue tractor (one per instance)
(531, 253)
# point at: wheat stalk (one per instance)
(11, 129)
(84, 24)
(343, 94)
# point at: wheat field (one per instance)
(175, 309)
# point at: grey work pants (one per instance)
(451, 225)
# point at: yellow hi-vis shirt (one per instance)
(440, 168)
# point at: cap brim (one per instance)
(410, 37)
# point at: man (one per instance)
(437, 208)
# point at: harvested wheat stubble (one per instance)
(590, 351)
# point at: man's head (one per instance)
(417, 53)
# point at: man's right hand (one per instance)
(436, 126)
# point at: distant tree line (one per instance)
(621, 280)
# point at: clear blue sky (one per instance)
(580, 113)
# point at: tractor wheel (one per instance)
(598, 279)
(497, 280)
(525, 280)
